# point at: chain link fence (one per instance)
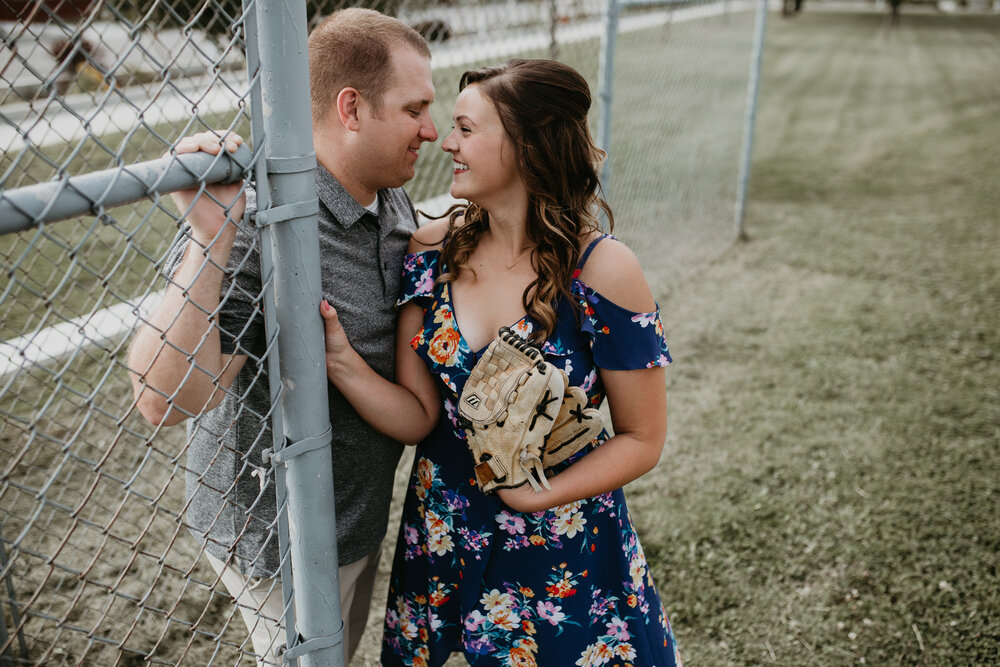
(97, 563)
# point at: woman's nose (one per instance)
(448, 145)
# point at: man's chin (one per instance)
(399, 181)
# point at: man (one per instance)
(200, 353)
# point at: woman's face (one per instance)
(485, 168)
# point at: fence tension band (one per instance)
(294, 164)
(297, 448)
(299, 209)
(314, 644)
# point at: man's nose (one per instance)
(429, 132)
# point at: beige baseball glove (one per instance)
(576, 426)
(509, 404)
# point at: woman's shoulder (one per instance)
(429, 236)
(432, 235)
(613, 270)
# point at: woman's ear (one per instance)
(348, 101)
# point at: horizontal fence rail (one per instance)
(53, 201)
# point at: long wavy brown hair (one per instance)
(543, 107)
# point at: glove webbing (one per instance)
(492, 374)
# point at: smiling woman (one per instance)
(554, 576)
(478, 139)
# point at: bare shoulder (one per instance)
(430, 236)
(613, 270)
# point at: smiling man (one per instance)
(196, 355)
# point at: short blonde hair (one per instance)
(353, 47)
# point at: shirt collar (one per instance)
(345, 209)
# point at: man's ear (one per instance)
(348, 101)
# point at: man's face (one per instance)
(393, 135)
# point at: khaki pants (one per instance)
(260, 602)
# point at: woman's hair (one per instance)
(543, 107)
(353, 47)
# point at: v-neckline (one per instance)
(454, 317)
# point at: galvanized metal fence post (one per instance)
(291, 163)
(263, 189)
(606, 94)
(553, 25)
(753, 88)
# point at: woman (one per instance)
(519, 577)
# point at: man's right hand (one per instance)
(176, 361)
(206, 210)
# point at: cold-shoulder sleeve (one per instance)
(420, 270)
(622, 340)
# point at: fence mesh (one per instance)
(97, 561)
(677, 128)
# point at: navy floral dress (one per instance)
(567, 586)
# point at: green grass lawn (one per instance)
(830, 489)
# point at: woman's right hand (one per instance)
(338, 348)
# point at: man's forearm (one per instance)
(176, 359)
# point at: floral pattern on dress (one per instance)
(565, 587)
(416, 621)
(445, 340)
(437, 532)
(601, 315)
(506, 621)
(555, 528)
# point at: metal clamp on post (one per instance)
(290, 451)
(314, 644)
(294, 164)
(299, 209)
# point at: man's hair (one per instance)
(353, 47)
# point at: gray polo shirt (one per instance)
(231, 491)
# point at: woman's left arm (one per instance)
(637, 401)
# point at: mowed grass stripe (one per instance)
(830, 490)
